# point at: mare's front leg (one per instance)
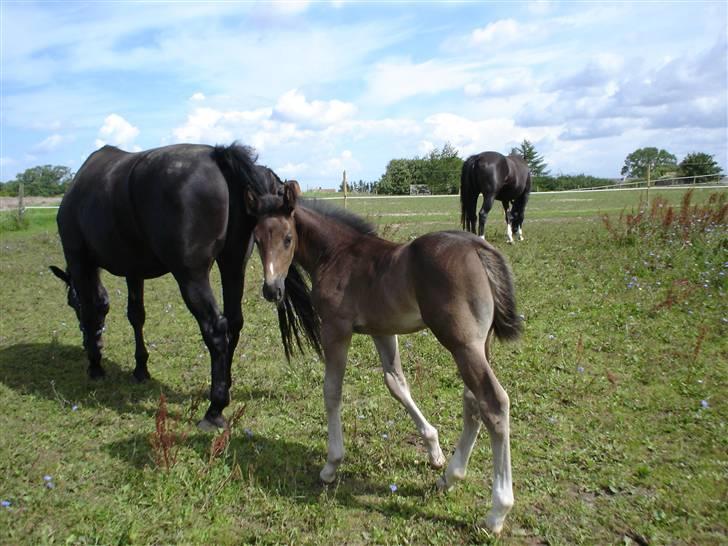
(388, 350)
(232, 274)
(196, 291)
(336, 350)
(136, 315)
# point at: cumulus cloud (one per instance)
(117, 132)
(504, 30)
(198, 97)
(293, 107)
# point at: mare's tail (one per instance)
(506, 322)
(468, 196)
(297, 318)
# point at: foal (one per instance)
(451, 282)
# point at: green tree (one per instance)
(660, 162)
(699, 164)
(43, 180)
(536, 163)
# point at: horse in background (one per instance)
(496, 176)
(367, 285)
(176, 209)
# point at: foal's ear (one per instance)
(251, 203)
(291, 193)
(58, 272)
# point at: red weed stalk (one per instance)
(165, 440)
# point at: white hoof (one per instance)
(438, 460)
(328, 473)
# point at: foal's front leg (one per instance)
(335, 353)
(397, 384)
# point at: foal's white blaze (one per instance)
(271, 270)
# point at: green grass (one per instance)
(610, 440)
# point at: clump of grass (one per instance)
(219, 443)
(12, 221)
(660, 220)
(166, 439)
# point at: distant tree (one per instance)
(43, 180)
(660, 162)
(536, 163)
(699, 164)
(439, 171)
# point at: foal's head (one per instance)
(275, 235)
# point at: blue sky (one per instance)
(319, 87)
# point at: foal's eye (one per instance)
(287, 241)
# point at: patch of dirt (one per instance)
(9, 203)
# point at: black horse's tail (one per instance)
(297, 318)
(468, 196)
(507, 323)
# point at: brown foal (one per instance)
(453, 283)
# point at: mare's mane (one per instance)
(341, 216)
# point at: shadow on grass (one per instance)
(58, 372)
(290, 470)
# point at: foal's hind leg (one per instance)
(493, 405)
(136, 315)
(397, 384)
(458, 465)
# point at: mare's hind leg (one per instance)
(493, 405)
(397, 384)
(336, 350)
(509, 222)
(136, 315)
(458, 466)
(196, 291)
(94, 305)
(483, 214)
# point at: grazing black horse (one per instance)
(175, 209)
(496, 176)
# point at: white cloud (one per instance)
(292, 170)
(293, 107)
(52, 143)
(394, 80)
(117, 132)
(199, 97)
(499, 32)
(345, 161)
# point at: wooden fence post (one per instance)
(21, 206)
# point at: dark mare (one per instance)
(496, 176)
(452, 282)
(175, 209)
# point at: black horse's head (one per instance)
(73, 300)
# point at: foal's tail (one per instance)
(506, 322)
(468, 196)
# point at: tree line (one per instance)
(439, 172)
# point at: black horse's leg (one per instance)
(509, 221)
(196, 291)
(484, 210)
(93, 302)
(232, 274)
(136, 315)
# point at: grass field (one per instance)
(618, 403)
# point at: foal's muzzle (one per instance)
(274, 291)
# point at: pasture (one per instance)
(617, 388)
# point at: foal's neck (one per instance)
(319, 237)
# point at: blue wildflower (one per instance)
(392, 488)
(47, 478)
(5, 504)
(704, 404)
(580, 369)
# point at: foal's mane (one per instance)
(342, 216)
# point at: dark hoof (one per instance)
(140, 376)
(213, 424)
(96, 373)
